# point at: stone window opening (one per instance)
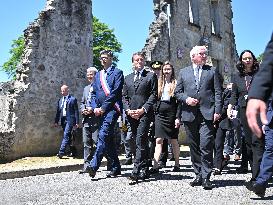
(215, 18)
(194, 12)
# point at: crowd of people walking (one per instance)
(149, 105)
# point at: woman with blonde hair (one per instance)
(167, 115)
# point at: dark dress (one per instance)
(165, 116)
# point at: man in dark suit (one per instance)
(139, 97)
(259, 93)
(199, 90)
(106, 104)
(260, 90)
(89, 121)
(68, 113)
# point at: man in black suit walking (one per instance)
(139, 97)
(199, 90)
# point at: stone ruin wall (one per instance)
(58, 51)
(183, 35)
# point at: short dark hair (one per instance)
(107, 52)
(137, 54)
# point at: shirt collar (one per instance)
(108, 69)
(140, 71)
(195, 66)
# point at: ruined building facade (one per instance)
(181, 24)
(58, 51)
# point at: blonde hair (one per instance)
(162, 81)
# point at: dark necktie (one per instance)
(137, 76)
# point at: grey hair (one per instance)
(92, 69)
(196, 49)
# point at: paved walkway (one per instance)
(166, 188)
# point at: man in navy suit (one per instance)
(106, 104)
(68, 113)
(199, 90)
(89, 121)
(139, 97)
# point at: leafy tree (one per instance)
(260, 58)
(104, 39)
(16, 51)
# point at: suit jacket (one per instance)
(88, 120)
(72, 112)
(209, 93)
(263, 82)
(115, 82)
(239, 90)
(142, 93)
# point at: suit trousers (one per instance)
(140, 129)
(89, 137)
(252, 147)
(266, 167)
(106, 142)
(66, 141)
(200, 133)
(219, 147)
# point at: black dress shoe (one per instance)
(249, 184)
(161, 164)
(91, 171)
(134, 177)
(197, 181)
(71, 155)
(144, 174)
(242, 170)
(206, 184)
(154, 170)
(60, 156)
(217, 172)
(176, 169)
(128, 161)
(82, 171)
(259, 189)
(113, 173)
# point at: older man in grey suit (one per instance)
(199, 90)
(89, 121)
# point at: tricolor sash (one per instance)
(106, 88)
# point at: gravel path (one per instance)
(166, 188)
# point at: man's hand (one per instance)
(216, 117)
(136, 114)
(254, 108)
(87, 111)
(192, 101)
(98, 111)
(76, 126)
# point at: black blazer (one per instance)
(142, 93)
(263, 82)
(239, 90)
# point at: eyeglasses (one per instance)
(203, 54)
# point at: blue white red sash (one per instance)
(106, 88)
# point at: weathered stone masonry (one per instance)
(181, 24)
(58, 51)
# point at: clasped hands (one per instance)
(97, 111)
(135, 114)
